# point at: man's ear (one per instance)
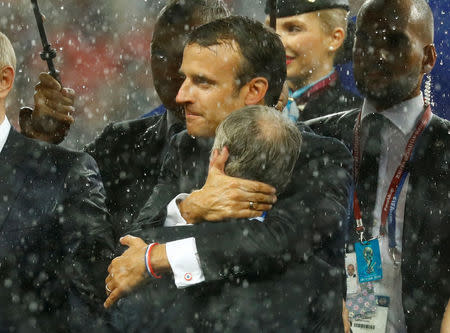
(429, 58)
(6, 81)
(256, 91)
(336, 40)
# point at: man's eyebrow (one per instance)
(200, 77)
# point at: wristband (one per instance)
(148, 263)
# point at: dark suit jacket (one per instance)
(129, 155)
(426, 231)
(280, 274)
(54, 236)
(333, 99)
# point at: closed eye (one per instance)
(202, 80)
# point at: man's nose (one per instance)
(183, 93)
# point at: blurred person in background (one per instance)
(313, 34)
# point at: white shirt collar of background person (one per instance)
(404, 115)
(4, 132)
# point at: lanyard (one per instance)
(306, 92)
(397, 182)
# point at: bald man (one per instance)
(401, 165)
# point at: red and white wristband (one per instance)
(148, 263)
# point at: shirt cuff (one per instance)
(174, 217)
(185, 263)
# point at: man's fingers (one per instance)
(68, 92)
(49, 81)
(254, 186)
(261, 207)
(262, 198)
(129, 240)
(54, 95)
(284, 96)
(63, 117)
(244, 196)
(113, 297)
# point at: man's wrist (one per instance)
(158, 259)
(189, 211)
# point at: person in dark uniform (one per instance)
(129, 154)
(313, 34)
(401, 156)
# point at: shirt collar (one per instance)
(403, 115)
(4, 132)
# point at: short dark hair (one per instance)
(263, 145)
(261, 48)
(178, 12)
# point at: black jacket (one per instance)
(129, 155)
(281, 274)
(332, 99)
(426, 232)
(55, 236)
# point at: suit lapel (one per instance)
(15, 161)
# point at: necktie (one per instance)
(368, 171)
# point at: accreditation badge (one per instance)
(368, 259)
(375, 322)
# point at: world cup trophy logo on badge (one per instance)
(368, 256)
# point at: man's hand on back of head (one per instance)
(52, 115)
(225, 197)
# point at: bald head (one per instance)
(393, 50)
(415, 13)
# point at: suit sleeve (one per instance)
(86, 230)
(306, 220)
(154, 212)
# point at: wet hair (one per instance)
(263, 145)
(7, 55)
(181, 16)
(261, 48)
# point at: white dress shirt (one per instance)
(402, 122)
(5, 126)
(182, 254)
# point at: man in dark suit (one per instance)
(236, 253)
(129, 154)
(393, 51)
(54, 227)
